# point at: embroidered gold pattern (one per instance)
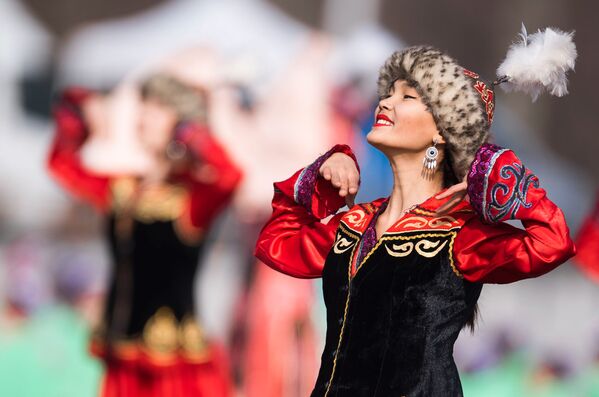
(163, 335)
(342, 245)
(160, 332)
(191, 337)
(399, 251)
(423, 247)
(164, 202)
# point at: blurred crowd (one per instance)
(274, 94)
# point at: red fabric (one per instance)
(64, 162)
(212, 180)
(587, 243)
(501, 253)
(216, 179)
(281, 359)
(138, 374)
(293, 241)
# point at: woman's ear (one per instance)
(439, 138)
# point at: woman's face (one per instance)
(156, 125)
(402, 122)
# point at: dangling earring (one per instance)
(176, 150)
(430, 160)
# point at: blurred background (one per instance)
(288, 80)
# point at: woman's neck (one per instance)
(410, 187)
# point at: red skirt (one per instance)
(133, 372)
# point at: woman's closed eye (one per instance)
(406, 96)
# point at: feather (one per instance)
(539, 62)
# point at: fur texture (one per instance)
(539, 62)
(456, 106)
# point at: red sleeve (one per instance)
(488, 250)
(294, 241)
(216, 175)
(64, 161)
(587, 243)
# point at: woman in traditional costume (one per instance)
(402, 274)
(156, 223)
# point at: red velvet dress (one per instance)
(150, 341)
(396, 304)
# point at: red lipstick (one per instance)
(383, 121)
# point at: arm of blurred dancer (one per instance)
(488, 250)
(295, 241)
(215, 176)
(64, 161)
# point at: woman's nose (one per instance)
(384, 104)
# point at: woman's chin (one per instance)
(376, 139)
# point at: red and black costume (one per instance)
(396, 306)
(150, 341)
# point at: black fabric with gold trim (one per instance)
(381, 320)
(151, 298)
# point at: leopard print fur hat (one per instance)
(461, 103)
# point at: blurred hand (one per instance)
(96, 115)
(457, 192)
(341, 170)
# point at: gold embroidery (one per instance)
(399, 251)
(164, 202)
(451, 261)
(423, 245)
(123, 190)
(342, 245)
(160, 332)
(161, 203)
(346, 229)
(191, 337)
(164, 335)
(342, 330)
(402, 237)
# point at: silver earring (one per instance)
(176, 150)
(430, 160)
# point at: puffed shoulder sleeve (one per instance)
(489, 250)
(295, 240)
(64, 161)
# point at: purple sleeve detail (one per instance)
(479, 174)
(306, 182)
(369, 238)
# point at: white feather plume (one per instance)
(539, 62)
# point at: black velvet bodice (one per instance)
(153, 268)
(391, 327)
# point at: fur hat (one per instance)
(189, 103)
(461, 103)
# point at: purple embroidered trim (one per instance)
(479, 171)
(369, 239)
(306, 182)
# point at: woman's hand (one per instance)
(341, 170)
(457, 192)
